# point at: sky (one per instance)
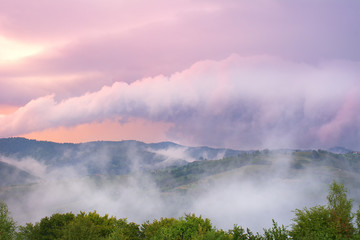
(236, 74)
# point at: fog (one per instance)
(254, 203)
(250, 196)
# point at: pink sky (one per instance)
(240, 74)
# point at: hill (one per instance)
(11, 175)
(144, 181)
(170, 165)
(104, 157)
(286, 164)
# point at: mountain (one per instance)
(137, 179)
(323, 165)
(106, 157)
(11, 175)
(340, 150)
(171, 164)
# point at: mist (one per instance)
(249, 196)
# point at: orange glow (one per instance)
(7, 109)
(108, 130)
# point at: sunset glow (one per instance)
(109, 130)
(223, 74)
(12, 51)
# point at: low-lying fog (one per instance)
(250, 196)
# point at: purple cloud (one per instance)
(122, 42)
(237, 102)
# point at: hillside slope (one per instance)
(106, 158)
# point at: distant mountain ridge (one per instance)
(170, 163)
(105, 157)
(339, 150)
(20, 147)
(37, 176)
(11, 175)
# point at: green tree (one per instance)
(29, 232)
(238, 233)
(189, 227)
(276, 232)
(158, 228)
(313, 223)
(333, 221)
(48, 228)
(89, 226)
(125, 231)
(340, 210)
(7, 224)
(52, 227)
(357, 221)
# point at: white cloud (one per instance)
(247, 100)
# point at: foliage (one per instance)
(89, 226)
(276, 232)
(7, 224)
(125, 231)
(190, 227)
(29, 232)
(340, 210)
(357, 221)
(333, 221)
(326, 222)
(173, 177)
(313, 223)
(238, 233)
(156, 229)
(81, 226)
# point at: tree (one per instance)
(340, 210)
(7, 224)
(313, 223)
(276, 232)
(357, 221)
(333, 221)
(190, 227)
(52, 228)
(89, 226)
(238, 233)
(125, 231)
(29, 232)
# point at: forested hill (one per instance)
(51, 151)
(170, 164)
(169, 179)
(266, 164)
(94, 158)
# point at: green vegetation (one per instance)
(169, 172)
(7, 224)
(333, 221)
(344, 167)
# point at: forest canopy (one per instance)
(336, 220)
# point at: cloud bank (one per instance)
(242, 102)
(290, 80)
(98, 44)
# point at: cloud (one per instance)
(119, 41)
(29, 165)
(239, 102)
(174, 154)
(253, 204)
